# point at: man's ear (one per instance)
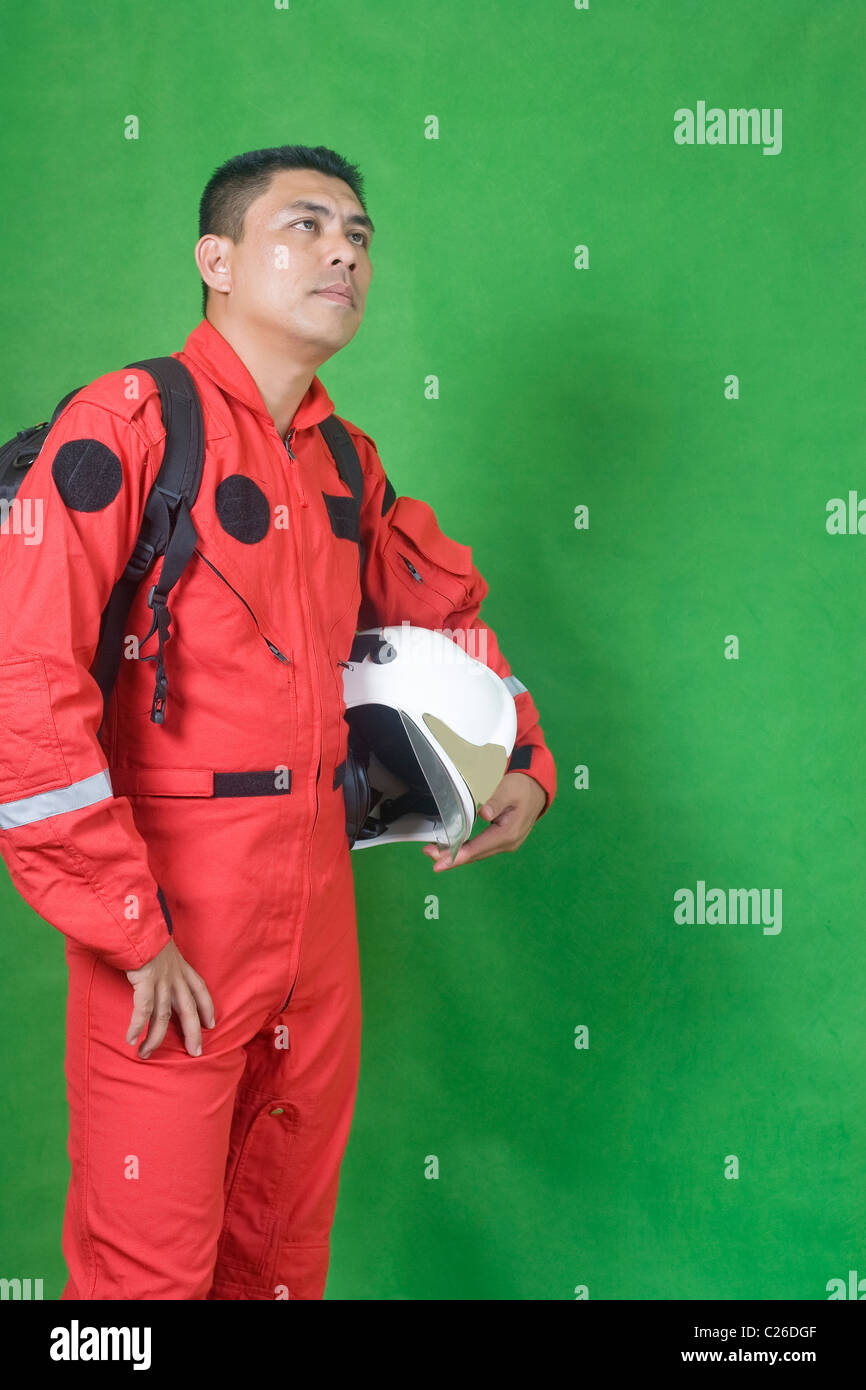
(212, 258)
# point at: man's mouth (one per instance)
(337, 293)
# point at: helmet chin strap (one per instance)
(393, 807)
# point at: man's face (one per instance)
(290, 253)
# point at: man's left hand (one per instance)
(512, 810)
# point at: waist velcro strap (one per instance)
(268, 783)
(190, 781)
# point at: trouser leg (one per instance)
(158, 1147)
(294, 1109)
(148, 1141)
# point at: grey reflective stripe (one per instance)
(514, 685)
(72, 798)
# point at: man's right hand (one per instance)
(168, 983)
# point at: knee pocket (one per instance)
(256, 1183)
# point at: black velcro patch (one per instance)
(389, 497)
(87, 474)
(345, 516)
(251, 783)
(242, 509)
(521, 759)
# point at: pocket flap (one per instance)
(161, 781)
(416, 520)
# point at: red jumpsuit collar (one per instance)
(210, 351)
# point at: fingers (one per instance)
(159, 1019)
(171, 986)
(143, 998)
(200, 994)
(506, 835)
(184, 1006)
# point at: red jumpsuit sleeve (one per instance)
(71, 847)
(413, 572)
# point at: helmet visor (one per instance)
(441, 783)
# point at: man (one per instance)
(204, 861)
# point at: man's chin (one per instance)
(330, 342)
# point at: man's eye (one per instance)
(313, 223)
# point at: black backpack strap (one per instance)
(345, 456)
(61, 406)
(19, 454)
(167, 529)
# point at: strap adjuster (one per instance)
(140, 560)
(157, 709)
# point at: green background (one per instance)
(559, 1167)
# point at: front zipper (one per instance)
(276, 651)
(295, 472)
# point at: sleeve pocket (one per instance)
(432, 567)
(31, 759)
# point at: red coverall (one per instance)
(212, 1176)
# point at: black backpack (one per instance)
(167, 528)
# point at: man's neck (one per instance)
(282, 381)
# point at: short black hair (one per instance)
(237, 183)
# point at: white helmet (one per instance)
(431, 730)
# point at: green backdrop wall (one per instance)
(694, 379)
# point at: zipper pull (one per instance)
(295, 472)
(277, 653)
(412, 570)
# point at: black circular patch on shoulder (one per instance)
(242, 509)
(87, 473)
